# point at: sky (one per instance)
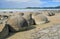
(28, 3)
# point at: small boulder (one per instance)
(51, 14)
(40, 19)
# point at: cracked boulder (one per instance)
(3, 31)
(28, 17)
(16, 23)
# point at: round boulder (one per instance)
(16, 23)
(35, 13)
(40, 19)
(19, 13)
(28, 17)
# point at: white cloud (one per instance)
(27, 1)
(36, 1)
(56, 0)
(17, 0)
(24, 3)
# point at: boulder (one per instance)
(40, 19)
(28, 17)
(36, 13)
(51, 14)
(3, 31)
(16, 23)
(19, 13)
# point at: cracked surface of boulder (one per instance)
(3, 31)
(28, 17)
(16, 23)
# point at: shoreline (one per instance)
(25, 9)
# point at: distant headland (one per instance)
(57, 7)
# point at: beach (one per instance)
(33, 31)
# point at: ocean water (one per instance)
(25, 9)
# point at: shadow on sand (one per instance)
(27, 29)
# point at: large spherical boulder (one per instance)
(3, 31)
(40, 19)
(16, 23)
(28, 17)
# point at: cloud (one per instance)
(51, 0)
(56, 0)
(29, 2)
(17, 0)
(24, 3)
(36, 1)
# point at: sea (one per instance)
(25, 9)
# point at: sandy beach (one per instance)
(28, 34)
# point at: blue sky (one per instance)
(28, 3)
